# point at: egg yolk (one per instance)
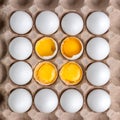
(45, 47)
(45, 73)
(71, 73)
(71, 46)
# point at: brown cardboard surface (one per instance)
(60, 7)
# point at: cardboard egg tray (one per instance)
(61, 7)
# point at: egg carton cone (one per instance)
(60, 7)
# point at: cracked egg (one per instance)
(45, 73)
(46, 48)
(71, 48)
(71, 73)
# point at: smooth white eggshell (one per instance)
(46, 100)
(20, 48)
(71, 101)
(20, 100)
(20, 73)
(98, 23)
(47, 22)
(21, 22)
(98, 100)
(72, 23)
(98, 48)
(98, 74)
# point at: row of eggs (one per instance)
(71, 73)
(46, 100)
(46, 48)
(47, 22)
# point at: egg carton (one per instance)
(61, 7)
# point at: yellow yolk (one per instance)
(45, 73)
(45, 47)
(71, 73)
(71, 46)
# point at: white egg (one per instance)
(20, 48)
(21, 22)
(20, 73)
(98, 74)
(71, 101)
(20, 100)
(98, 48)
(72, 23)
(47, 22)
(98, 23)
(46, 100)
(98, 100)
